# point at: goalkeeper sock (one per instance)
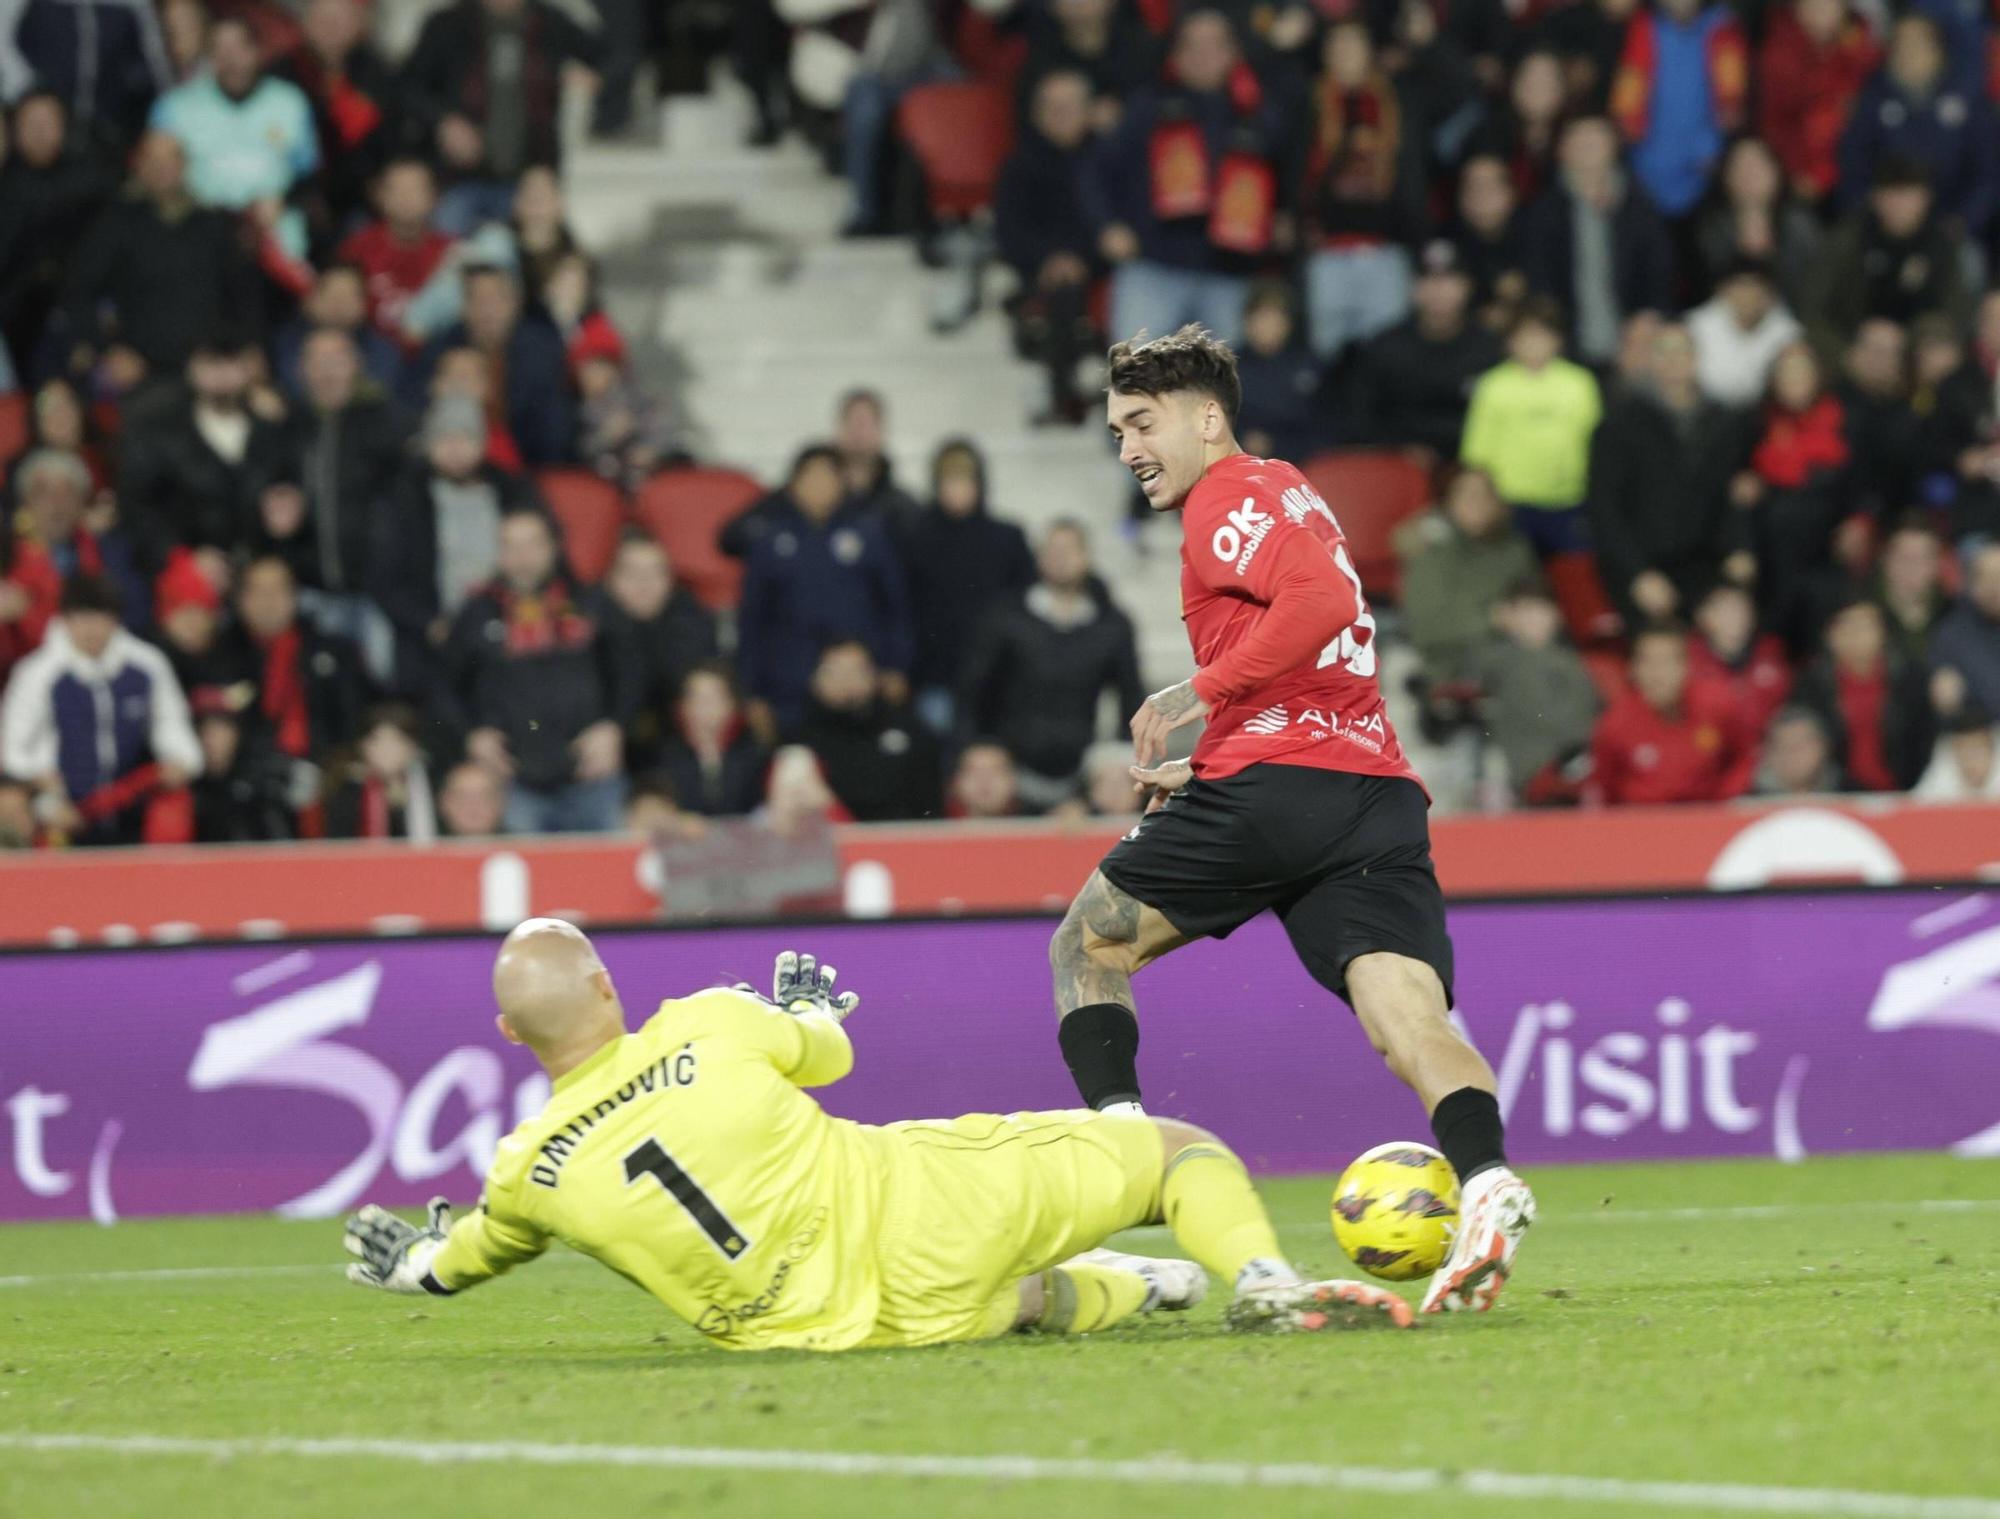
(1085, 1299)
(1100, 1044)
(1468, 1129)
(1214, 1211)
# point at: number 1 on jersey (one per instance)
(651, 1159)
(1357, 651)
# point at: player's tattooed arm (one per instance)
(1104, 919)
(1159, 715)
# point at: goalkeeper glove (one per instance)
(396, 1256)
(800, 984)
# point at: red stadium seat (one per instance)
(14, 428)
(961, 133)
(987, 52)
(1579, 591)
(686, 510)
(1371, 494)
(591, 510)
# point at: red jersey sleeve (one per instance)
(1241, 545)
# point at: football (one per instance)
(1395, 1210)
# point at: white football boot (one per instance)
(1495, 1209)
(1307, 1307)
(1175, 1286)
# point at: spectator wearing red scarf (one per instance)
(1363, 200)
(386, 792)
(1876, 707)
(29, 590)
(351, 88)
(1793, 489)
(58, 522)
(1183, 196)
(534, 688)
(1816, 56)
(305, 690)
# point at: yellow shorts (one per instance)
(972, 1205)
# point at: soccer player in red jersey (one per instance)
(1298, 797)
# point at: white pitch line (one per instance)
(1712, 1497)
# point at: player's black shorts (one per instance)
(1344, 860)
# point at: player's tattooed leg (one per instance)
(1092, 952)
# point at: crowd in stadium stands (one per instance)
(1680, 314)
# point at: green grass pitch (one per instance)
(1833, 1326)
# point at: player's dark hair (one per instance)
(1192, 359)
(90, 593)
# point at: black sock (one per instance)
(1100, 1043)
(1468, 1129)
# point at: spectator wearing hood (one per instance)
(962, 561)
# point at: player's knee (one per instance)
(1395, 989)
(1177, 1135)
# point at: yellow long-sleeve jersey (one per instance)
(686, 1158)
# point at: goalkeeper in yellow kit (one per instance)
(688, 1159)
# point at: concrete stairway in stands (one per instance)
(725, 267)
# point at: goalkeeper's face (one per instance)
(1163, 440)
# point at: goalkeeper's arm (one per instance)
(442, 1257)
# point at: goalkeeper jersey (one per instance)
(686, 1158)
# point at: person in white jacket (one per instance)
(96, 722)
(1965, 764)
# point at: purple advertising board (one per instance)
(307, 1078)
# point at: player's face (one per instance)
(1160, 440)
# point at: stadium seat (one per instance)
(1579, 590)
(987, 52)
(1371, 494)
(961, 133)
(14, 429)
(591, 511)
(686, 509)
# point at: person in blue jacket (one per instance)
(822, 572)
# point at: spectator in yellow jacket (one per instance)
(1530, 426)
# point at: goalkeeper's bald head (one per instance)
(554, 993)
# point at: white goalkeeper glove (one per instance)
(800, 984)
(396, 1256)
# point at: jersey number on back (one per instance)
(651, 1159)
(1357, 652)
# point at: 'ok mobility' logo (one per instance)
(1954, 986)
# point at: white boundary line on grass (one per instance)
(1714, 1497)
